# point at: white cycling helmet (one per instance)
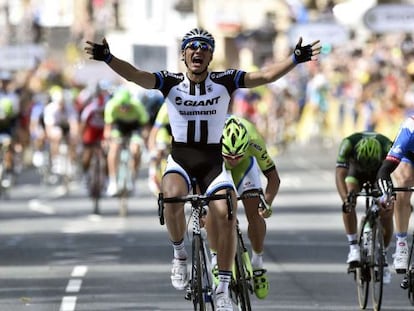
(197, 34)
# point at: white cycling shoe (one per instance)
(223, 302)
(354, 255)
(401, 257)
(179, 276)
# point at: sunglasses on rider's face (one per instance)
(233, 157)
(195, 45)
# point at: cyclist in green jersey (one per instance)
(159, 143)
(7, 125)
(359, 157)
(245, 156)
(124, 116)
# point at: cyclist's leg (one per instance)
(221, 232)
(112, 160)
(403, 177)
(54, 135)
(351, 222)
(176, 182)
(136, 146)
(248, 180)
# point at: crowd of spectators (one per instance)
(358, 86)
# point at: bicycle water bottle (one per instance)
(367, 238)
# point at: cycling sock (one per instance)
(179, 250)
(224, 281)
(257, 260)
(352, 239)
(401, 236)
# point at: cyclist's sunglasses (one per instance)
(195, 45)
(233, 157)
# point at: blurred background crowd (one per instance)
(364, 79)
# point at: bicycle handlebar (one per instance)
(195, 200)
(256, 194)
(403, 189)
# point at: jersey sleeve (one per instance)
(344, 153)
(402, 142)
(257, 147)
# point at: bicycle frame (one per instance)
(200, 289)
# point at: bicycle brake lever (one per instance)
(161, 208)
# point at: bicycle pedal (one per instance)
(404, 283)
(187, 295)
(352, 266)
(351, 269)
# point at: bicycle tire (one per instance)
(95, 182)
(196, 276)
(241, 288)
(207, 281)
(123, 175)
(377, 265)
(362, 276)
(410, 274)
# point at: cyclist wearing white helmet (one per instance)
(359, 157)
(197, 102)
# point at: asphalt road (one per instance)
(56, 256)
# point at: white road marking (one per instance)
(74, 286)
(68, 303)
(79, 271)
(37, 206)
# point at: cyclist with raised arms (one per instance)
(197, 103)
(400, 162)
(359, 157)
(245, 156)
(124, 116)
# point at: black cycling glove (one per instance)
(302, 54)
(102, 52)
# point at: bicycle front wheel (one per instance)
(362, 274)
(196, 284)
(95, 183)
(409, 277)
(377, 265)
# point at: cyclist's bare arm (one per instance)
(276, 70)
(272, 187)
(340, 175)
(126, 70)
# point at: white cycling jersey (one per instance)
(54, 115)
(197, 111)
